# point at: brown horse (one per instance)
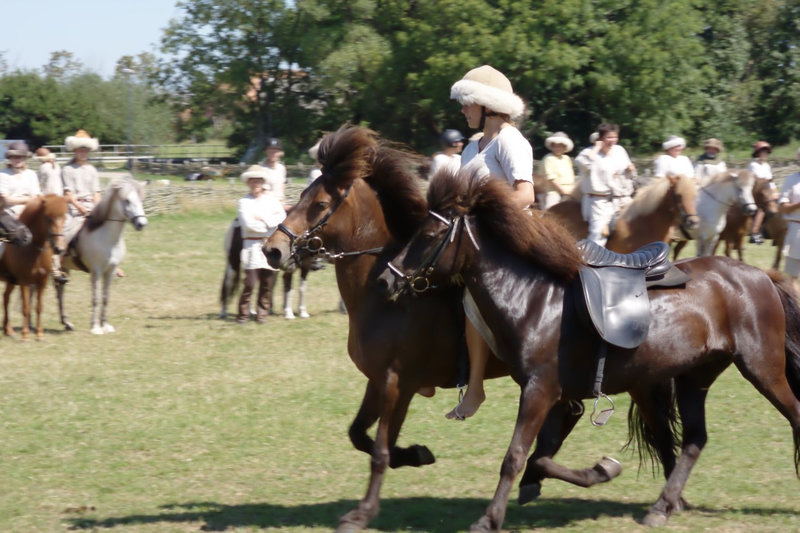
(655, 209)
(31, 264)
(367, 203)
(737, 223)
(476, 234)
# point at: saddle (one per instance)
(614, 289)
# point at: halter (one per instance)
(685, 217)
(419, 280)
(312, 244)
(729, 205)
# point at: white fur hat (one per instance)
(256, 171)
(674, 141)
(559, 137)
(593, 137)
(81, 139)
(488, 87)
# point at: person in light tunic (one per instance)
(709, 163)
(276, 180)
(672, 162)
(49, 172)
(81, 181)
(558, 169)
(259, 215)
(450, 156)
(761, 168)
(18, 183)
(789, 206)
(489, 104)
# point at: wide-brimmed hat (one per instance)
(488, 87)
(257, 172)
(81, 139)
(559, 137)
(18, 148)
(274, 144)
(713, 143)
(673, 142)
(761, 145)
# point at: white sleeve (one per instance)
(247, 217)
(516, 159)
(660, 166)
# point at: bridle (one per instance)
(311, 243)
(419, 280)
(685, 216)
(745, 205)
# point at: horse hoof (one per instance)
(108, 328)
(655, 519)
(288, 315)
(528, 493)
(481, 526)
(97, 330)
(609, 468)
(304, 314)
(68, 326)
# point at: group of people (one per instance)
(78, 181)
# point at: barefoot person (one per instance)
(489, 104)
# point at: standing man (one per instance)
(276, 179)
(49, 173)
(259, 216)
(606, 187)
(789, 206)
(18, 183)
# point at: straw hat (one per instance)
(81, 139)
(713, 143)
(256, 172)
(761, 145)
(559, 137)
(18, 148)
(488, 87)
(673, 142)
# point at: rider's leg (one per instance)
(755, 234)
(478, 356)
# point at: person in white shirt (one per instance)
(259, 216)
(489, 104)
(606, 187)
(18, 183)
(672, 162)
(709, 164)
(761, 168)
(789, 206)
(450, 156)
(276, 181)
(49, 172)
(558, 169)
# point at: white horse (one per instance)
(725, 190)
(98, 248)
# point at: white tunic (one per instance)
(258, 218)
(26, 183)
(666, 165)
(508, 156)
(761, 170)
(708, 168)
(82, 181)
(440, 161)
(276, 180)
(603, 171)
(50, 179)
(790, 194)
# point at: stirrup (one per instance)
(600, 418)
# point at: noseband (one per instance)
(419, 280)
(685, 217)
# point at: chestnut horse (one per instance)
(655, 209)
(773, 227)
(30, 264)
(476, 234)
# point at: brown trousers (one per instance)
(266, 279)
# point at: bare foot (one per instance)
(428, 392)
(468, 406)
(119, 273)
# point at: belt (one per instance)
(595, 195)
(254, 238)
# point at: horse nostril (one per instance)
(274, 257)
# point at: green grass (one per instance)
(184, 422)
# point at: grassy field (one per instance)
(182, 422)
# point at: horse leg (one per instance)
(7, 329)
(557, 426)
(108, 276)
(678, 247)
(60, 296)
(230, 280)
(25, 293)
(369, 506)
(301, 293)
(534, 406)
(39, 294)
(95, 280)
(287, 295)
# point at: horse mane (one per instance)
(539, 240)
(355, 152)
(647, 199)
(99, 214)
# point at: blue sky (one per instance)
(97, 32)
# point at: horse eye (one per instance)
(323, 204)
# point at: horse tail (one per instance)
(232, 245)
(791, 310)
(648, 443)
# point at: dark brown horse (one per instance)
(737, 223)
(30, 264)
(366, 203)
(696, 331)
(654, 211)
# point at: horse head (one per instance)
(367, 196)
(684, 196)
(127, 205)
(764, 197)
(45, 217)
(744, 180)
(13, 231)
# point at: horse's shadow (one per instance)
(437, 515)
